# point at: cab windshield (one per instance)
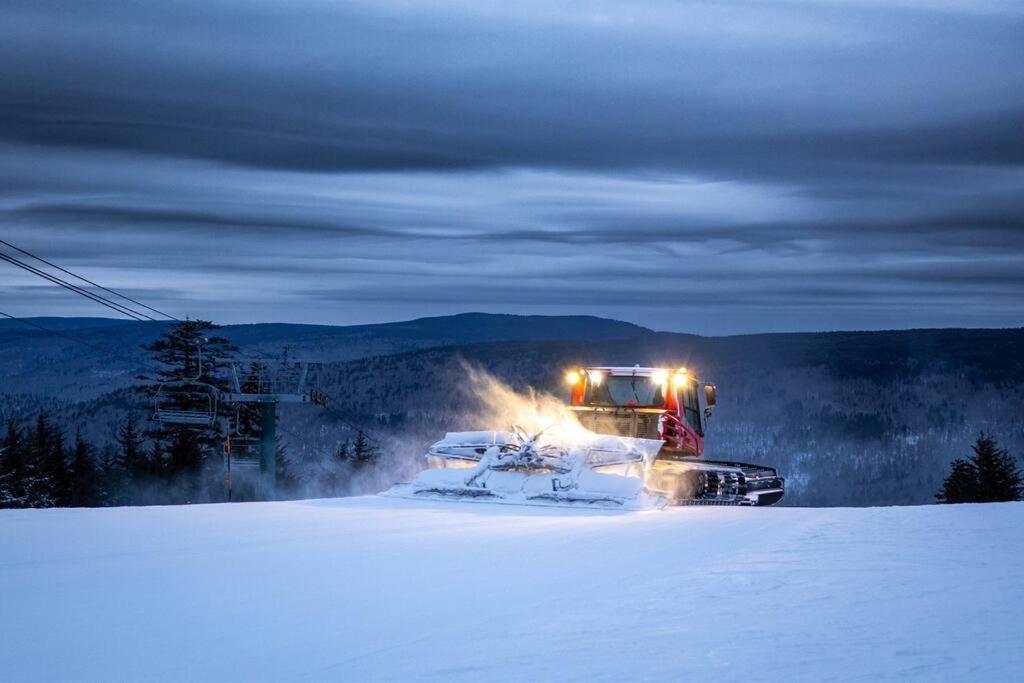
(625, 390)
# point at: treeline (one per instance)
(40, 468)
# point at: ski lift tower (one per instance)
(259, 385)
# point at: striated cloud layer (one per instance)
(710, 167)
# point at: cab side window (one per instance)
(691, 406)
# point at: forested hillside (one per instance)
(848, 418)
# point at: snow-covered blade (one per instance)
(513, 467)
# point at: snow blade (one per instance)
(516, 468)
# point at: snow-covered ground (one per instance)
(386, 589)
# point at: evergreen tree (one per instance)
(287, 481)
(85, 484)
(961, 484)
(113, 478)
(12, 466)
(58, 471)
(343, 456)
(338, 469)
(989, 476)
(132, 456)
(187, 355)
(37, 465)
(184, 452)
(999, 480)
(158, 459)
(364, 453)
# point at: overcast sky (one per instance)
(715, 168)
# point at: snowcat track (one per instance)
(712, 502)
(719, 482)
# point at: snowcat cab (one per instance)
(648, 403)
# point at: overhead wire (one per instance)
(123, 310)
(86, 280)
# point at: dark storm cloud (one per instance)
(841, 163)
(390, 86)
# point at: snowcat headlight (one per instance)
(679, 379)
(572, 377)
(596, 377)
(659, 376)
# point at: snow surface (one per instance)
(380, 588)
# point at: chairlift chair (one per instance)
(187, 401)
(201, 399)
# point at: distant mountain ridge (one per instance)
(37, 362)
(462, 328)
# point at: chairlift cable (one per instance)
(76, 289)
(83, 279)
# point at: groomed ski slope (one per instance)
(383, 589)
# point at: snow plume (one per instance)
(501, 407)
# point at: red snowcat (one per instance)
(636, 443)
(674, 407)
